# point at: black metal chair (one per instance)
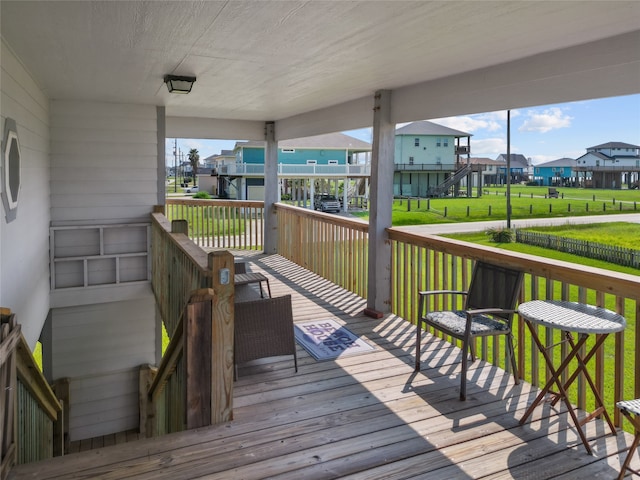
(488, 310)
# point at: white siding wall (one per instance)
(104, 159)
(24, 243)
(104, 171)
(100, 347)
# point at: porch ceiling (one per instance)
(275, 60)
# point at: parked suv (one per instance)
(326, 203)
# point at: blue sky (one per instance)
(541, 133)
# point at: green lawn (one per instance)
(620, 234)
(526, 202)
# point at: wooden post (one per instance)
(222, 326)
(145, 379)
(197, 353)
(180, 226)
(61, 428)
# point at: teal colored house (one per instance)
(322, 163)
(426, 156)
(556, 173)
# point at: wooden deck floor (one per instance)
(360, 417)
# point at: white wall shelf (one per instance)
(99, 255)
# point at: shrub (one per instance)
(500, 235)
(285, 196)
(203, 195)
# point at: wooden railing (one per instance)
(426, 262)
(178, 268)
(236, 224)
(29, 436)
(197, 312)
(334, 247)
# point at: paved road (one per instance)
(522, 223)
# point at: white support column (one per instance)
(379, 287)
(312, 195)
(345, 195)
(270, 189)
(162, 163)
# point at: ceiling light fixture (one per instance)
(179, 84)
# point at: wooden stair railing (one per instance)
(193, 385)
(31, 414)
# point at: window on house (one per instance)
(410, 160)
(438, 160)
(312, 162)
(416, 142)
(333, 162)
(445, 142)
(288, 150)
(438, 142)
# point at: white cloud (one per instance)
(489, 147)
(550, 119)
(471, 123)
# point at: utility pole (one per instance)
(175, 164)
(508, 169)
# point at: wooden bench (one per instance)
(553, 193)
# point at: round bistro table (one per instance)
(571, 318)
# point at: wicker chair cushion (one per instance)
(631, 406)
(455, 322)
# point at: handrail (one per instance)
(178, 267)
(197, 310)
(25, 391)
(428, 262)
(237, 224)
(331, 246)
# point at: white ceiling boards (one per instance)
(313, 66)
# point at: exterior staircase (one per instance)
(440, 190)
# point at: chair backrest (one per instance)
(493, 286)
(263, 328)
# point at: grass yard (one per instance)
(620, 234)
(526, 202)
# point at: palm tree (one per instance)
(194, 158)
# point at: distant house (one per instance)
(519, 168)
(208, 178)
(610, 165)
(560, 172)
(225, 157)
(485, 171)
(426, 156)
(305, 165)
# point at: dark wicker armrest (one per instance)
(443, 292)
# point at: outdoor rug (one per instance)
(327, 339)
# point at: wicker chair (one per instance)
(264, 328)
(631, 410)
(488, 310)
